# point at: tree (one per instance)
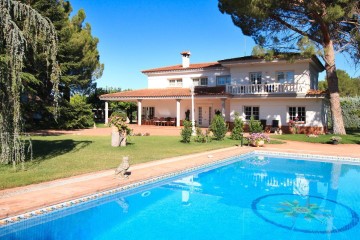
(348, 87)
(21, 29)
(314, 27)
(78, 58)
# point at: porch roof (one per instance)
(165, 93)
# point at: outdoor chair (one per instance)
(163, 121)
(274, 125)
(157, 121)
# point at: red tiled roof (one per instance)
(179, 67)
(151, 92)
(316, 92)
(167, 93)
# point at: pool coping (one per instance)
(208, 165)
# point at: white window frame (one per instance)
(201, 81)
(299, 113)
(223, 80)
(287, 78)
(247, 117)
(178, 82)
(255, 77)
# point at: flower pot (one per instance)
(258, 143)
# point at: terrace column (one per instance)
(192, 88)
(223, 107)
(178, 112)
(139, 111)
(106, 112)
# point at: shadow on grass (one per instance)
(45, 149)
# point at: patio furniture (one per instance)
(274, 125)
(263, 123)
(163, 121)
(157, 121)
(172, 122)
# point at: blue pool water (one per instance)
(252, 197)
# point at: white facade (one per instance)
(269, 90)
(161, 80)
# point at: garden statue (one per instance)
(122, 168)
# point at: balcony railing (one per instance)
(268, 88)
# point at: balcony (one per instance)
(268, 88)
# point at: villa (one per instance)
(273, 91)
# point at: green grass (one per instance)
(63, 156)
(352, 137)
(101, 125)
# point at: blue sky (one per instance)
(141, 34)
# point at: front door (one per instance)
(204, 115)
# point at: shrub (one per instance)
(255, 126)
(351, 112)
(201, 137)
(238, 130)
(75, 114)
(218, 127)
(186, 132)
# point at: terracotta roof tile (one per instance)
(167, 92)
(151, 92)
(316, 92)
(180, 68)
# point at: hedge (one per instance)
(351, 112)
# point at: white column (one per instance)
(223, 107)
(106, 112)
(193, 111)
(178, 112)
(139, 112)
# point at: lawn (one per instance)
(352, 137)
(63, 156)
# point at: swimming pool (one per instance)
(256, 195)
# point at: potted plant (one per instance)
(335, 139)
(258, 139)
(120, 129)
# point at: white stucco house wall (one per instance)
(274, 92)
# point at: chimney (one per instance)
(185, 59)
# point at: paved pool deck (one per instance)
(23, 199)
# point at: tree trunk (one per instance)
(123, 139)
(332, 80)
(115, 137)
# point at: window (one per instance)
(297, 114)
(175, 83)
(285, 76)
(223, 80)
(251, 112)
(255, 77)
(200, 81)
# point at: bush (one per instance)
(186, 132)
(255, 126)
(76, 114)
(218, 127)
(238, 130)
(351, 112)
(201, 137)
